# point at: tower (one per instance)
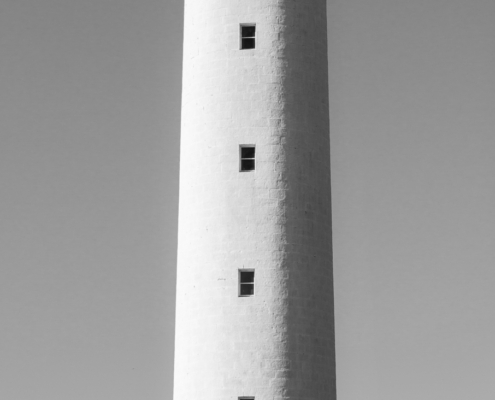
(254, 282)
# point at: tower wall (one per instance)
(278, 344)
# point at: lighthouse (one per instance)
(254, 316)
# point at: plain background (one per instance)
(89, 166)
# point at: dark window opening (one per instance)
(246, 285)
(247, 158)
(248, 37)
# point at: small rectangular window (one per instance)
(246, 284)
(248, 36)
(247, 157)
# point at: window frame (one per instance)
(243, 146)
(247, 37)
(239, 291)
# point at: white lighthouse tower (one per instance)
(255, 287)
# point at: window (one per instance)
(248, 36)
(246, 288)
(247, 157)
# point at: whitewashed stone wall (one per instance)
(278, 344)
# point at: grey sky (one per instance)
(89, 129)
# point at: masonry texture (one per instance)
(279, 343)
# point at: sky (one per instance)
(90, 97)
